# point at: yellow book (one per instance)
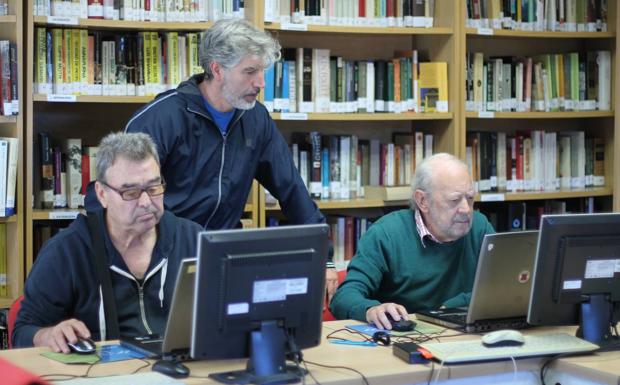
(433, 85)
(146, 61)
(83, 54)
(57, 55)
(76, 66)
(155, 62)
(67, 60)
(172, 54)
(193, 57)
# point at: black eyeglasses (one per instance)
(134, 193)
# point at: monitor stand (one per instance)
(267, 363)
(595, 321)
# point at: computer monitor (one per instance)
(577, 274)
(259, 294)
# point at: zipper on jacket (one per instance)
(219, 178)
(142, 309)
(219, 181)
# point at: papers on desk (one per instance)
(105, 353)
(146, 378)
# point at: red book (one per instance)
(85, 172)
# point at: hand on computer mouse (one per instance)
(57, 337)
(377, 315)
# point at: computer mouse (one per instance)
(501, 338)
(402, 325)
(83, 346)
(171, 368)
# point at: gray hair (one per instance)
(423, 177)
(228, 41)
(131, 146)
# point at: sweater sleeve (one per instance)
(47, 296)
(365, 273)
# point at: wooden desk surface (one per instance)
(378, 364)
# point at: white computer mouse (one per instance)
(505, 337)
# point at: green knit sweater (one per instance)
(391, 265)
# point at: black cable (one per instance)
(310, 374)
(147, 364)
(338, 367)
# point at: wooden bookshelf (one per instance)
(358, 30)
(364, 117)
(119, 24)
(11, 28)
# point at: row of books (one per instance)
(339, 166)
(535, 161)
(83, 62)
(9, 153)
(553, 82)
(66, 168)
(344, 233)
(538, 15)
(365, 13)
(518, 216)
(9, 98)
(141, 10)
(310, 80)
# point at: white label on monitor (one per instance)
(600, 268)
(296, 286)
(574, 285)
(269, 291)
(238, 308)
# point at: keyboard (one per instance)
(535, 345)
(146, 378)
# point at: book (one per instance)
(433, 84)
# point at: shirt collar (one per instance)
(423, 231)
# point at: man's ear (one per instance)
(217, 70)
(101, 194)
(421, 200)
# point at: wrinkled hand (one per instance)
(57, 337)
(376, 314)
(331, 283)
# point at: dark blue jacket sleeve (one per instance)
(47, 296)
(278, 174)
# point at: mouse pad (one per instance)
(420, 328)
(105, 353)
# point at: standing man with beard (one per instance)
(418, 258)
(214, 139)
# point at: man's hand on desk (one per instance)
(376, 314)
(331, 283)
(56, 337)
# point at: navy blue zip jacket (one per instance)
(209, 175)
(63, 283)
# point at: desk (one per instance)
(378, 364)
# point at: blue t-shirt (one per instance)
(221, 119)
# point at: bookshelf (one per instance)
(594, 123)
(11, 28)
(441, 43)
(88, 117)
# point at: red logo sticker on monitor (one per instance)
(524, 276)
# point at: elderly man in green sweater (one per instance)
(419, 258)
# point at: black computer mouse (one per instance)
(402, 325)
(171, 368)
(83, 346)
